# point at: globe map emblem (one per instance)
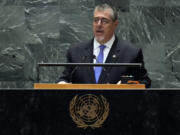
(89, 110)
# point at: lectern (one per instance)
(94, 108)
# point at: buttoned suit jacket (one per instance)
(120, 52)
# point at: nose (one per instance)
(99, 22)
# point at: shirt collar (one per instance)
(108, 44)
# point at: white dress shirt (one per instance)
(106, 49)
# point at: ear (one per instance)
(116, 23)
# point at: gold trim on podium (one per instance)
(88, 86)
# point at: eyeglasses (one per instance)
(103, 21)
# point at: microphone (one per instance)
(94, 57)
(76, 67)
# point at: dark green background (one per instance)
(34, 31)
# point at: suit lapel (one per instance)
(88, 53)
(112, 58)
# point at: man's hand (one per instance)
(119, 82)
(63, 82)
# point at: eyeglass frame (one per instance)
(103, 21)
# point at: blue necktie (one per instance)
(97, 70)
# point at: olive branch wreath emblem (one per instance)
(100, 118)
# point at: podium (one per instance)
(41, 111)
(88, 86)
(95, 108)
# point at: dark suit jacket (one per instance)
(123, 51)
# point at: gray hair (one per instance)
(102, 7)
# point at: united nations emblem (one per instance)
(89, 110)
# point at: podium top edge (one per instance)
(88, 86)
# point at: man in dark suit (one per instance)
(104, 48)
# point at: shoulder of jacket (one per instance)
(128, 45)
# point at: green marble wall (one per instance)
(33, 31)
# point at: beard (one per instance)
(100, 39)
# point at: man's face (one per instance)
(103, 26)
